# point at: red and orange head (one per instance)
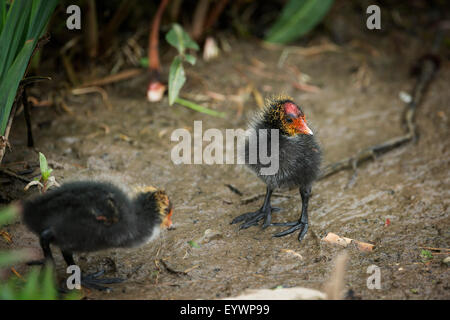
(163, 204)
(288, 117)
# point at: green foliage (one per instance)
(46, 180)
(181, 41)
(178, 38)
(45, 170)
(177, 78)
(426, 255)
(297, 18)
(7, 215)
(193, 244)
(143, 62)
(199, 108)
(38, 284)
(22, 23)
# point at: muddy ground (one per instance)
(358, 105)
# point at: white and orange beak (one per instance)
(167, 222)
(301, 126)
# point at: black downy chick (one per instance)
(299, 162)
(88, 216)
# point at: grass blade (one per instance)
(2, 14)
(200, 108)
(10, 83)
(13, 34)
(297, 18)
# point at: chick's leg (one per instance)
(302, 223)
(252, 218)
(45, 238)
(91, 281)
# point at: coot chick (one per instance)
(88, 216)
(299, 158)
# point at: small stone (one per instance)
(446, 261)
(405, 97)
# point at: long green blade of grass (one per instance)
(13, 33)
(8, 214)
(2, 14)
(24, 23)
(297, 18)
(40, 14)
(199, 108)
(9, 86)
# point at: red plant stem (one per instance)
(199, 19)
(153, 52)
(215, 13)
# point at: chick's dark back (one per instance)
(82, 216)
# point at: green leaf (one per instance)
(40, 14)
(9, 84)
(48, 285)
(21, 25)
(193, 244)
(179, 39)
(199, 108)
(8, 214)
(45, 170)
(31, 289)
(177, 78)
(297, 18)
(13, 33)
(2, 14)
(426, 254)
(144, 62)
(190, 58)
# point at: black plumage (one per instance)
(299, 158)
(89, 216)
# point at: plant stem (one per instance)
(91, 30)
(153, 54)
(199, 108)
(215, 14)
(198, 20)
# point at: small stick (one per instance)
(123, 75)
(191, 268)
(26, 112)
(91, 30)
(170, 269)
(153, 53)
(336, 285)
(343, 241)
(215, 14)
(12, 174)
(18, 275)
(435, 249)
(198, 21)
(100, 90)
(234, 189)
